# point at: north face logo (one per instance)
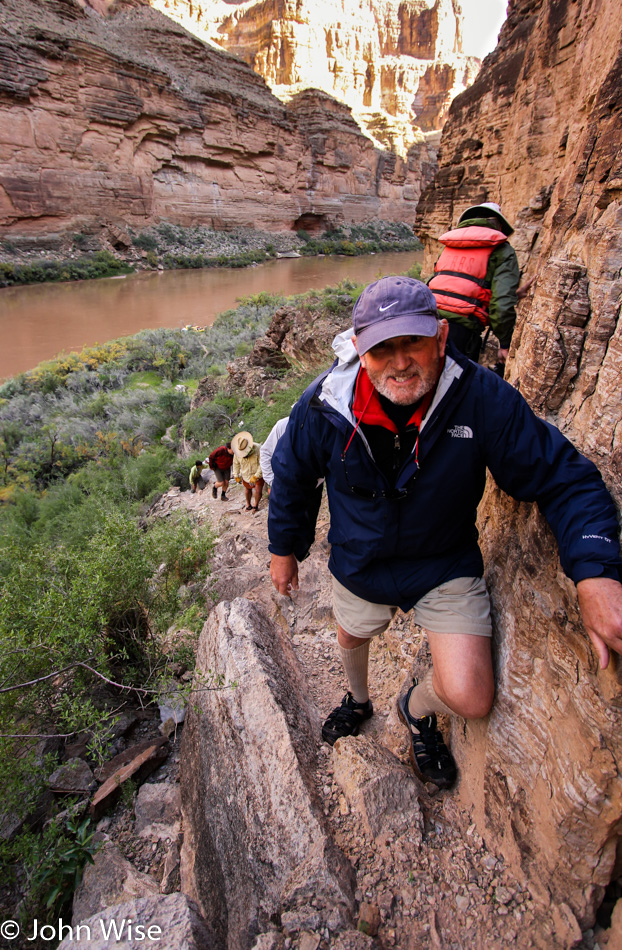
(461, 432)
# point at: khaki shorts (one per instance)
(459, 606)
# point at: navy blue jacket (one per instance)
(396, 544)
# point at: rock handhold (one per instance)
(369, 919)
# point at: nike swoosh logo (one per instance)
(382, 309)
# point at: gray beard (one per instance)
(425, 384)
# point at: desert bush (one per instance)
(168, 232)
(204, 423)
(147, 242)
(414, 271)
(99, 264)
(96, 604)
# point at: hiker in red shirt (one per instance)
(220, 463)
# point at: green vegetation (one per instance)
(90, 585)
(171, 246)
(363, 239)
(414, 271)
(145, 241)
(53, 863)
(100, 264)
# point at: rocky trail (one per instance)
(417, 874)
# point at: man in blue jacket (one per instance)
(403, 428)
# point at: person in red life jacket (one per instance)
(476, 279)
(404, 428)
(220, 463)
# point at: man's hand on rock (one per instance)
(284, 573)
(600, 602)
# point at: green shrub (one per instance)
(59, 871)
(204, 423)
(168, 232)
(145, 241)
(98, 603)
(100, 264)
(414, 271)
(67, 613)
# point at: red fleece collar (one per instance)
(367, 403)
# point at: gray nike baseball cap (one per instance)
(394, 306)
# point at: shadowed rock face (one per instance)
(540, 132)
(115, 116)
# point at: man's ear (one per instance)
(443, 332)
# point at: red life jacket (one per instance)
(459, 283)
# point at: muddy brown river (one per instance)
(40, 321)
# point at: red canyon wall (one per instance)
(117, 116)
(396, 63)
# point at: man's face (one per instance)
(405, 368)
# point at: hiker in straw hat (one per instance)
(247, 468)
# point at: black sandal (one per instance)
(345, 720)
(431, 759)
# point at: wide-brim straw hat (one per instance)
(242, 444)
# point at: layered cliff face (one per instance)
(112, 114)
(396, 63)
(540, 132)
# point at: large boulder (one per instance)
(110, 880)
(170, 923)
(256, 849)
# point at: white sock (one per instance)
(424, 701)
(355, 663)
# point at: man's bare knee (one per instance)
(470, 702)
(347, 641)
